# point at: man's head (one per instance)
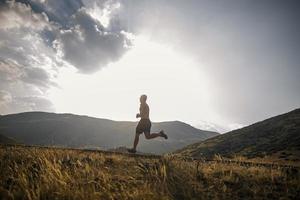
(143, 98)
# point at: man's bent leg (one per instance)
(151, 135)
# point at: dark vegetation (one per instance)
(51, 173)
(278, 136)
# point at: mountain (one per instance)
(40, 128)
(6, 140)
(278, 136)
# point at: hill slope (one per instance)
(280, 134)
(55, 173)
(40, 128)
(6, 140)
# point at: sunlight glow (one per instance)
(103, 15)
(176, 88)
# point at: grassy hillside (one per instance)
(40, 128)
(278, 136)
(48, 173)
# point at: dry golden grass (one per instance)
(48, 173)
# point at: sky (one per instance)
(217, 65)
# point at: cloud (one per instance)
(33, 103)
(27, 64)
(209, 126)
(10, 104)
(39, 37)
(87, 35)
(88, 45)
(23, 89)
(27, 58)
(37, 76)
(57, 11)
(16, 15)
(103, 11)
(5, 97)
(9, 71)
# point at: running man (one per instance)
(144, 125)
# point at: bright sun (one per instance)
(176, 88)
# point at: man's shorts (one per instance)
(144, 126)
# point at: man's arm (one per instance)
(138, 115)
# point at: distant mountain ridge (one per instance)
(280, 134)
(6, 140)
(42, 128)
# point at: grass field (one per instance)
(49, 173)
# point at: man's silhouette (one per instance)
(144, 125)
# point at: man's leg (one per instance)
(136, 140)
(154, 135)
(151, 135)
(135, 143)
